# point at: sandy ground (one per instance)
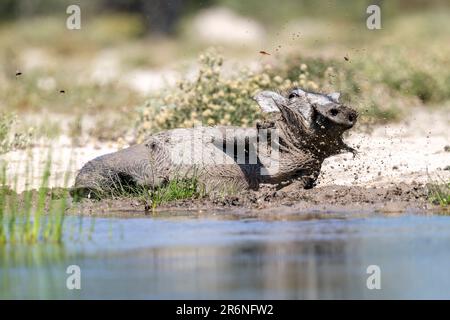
(410, 152)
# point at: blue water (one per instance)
(236, 257)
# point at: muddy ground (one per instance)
(333, 199)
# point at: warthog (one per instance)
(304, 129)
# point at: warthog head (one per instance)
(310, 121)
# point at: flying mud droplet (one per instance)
(18, 73)
(346, 58)
(62, 91)
(265, 53)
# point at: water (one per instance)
(231, 257)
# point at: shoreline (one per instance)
(321, 201)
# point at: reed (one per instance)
(33, 216)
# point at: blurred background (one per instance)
(134, 67)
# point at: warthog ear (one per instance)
(335, 96)
(270, 101)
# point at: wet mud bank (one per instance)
(333, 199)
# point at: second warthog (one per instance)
(305, 128)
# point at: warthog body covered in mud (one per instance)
(305, 129)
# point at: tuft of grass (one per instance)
(179, 188)
(439, 193)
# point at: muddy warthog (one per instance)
(304, 129)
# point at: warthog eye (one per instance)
(293, 95)
(334, 112)
(351, 118)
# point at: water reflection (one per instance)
(208, 258)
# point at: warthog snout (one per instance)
(339, 115)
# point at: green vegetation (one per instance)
(175, 189)
(34, 216)
(439, 193)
